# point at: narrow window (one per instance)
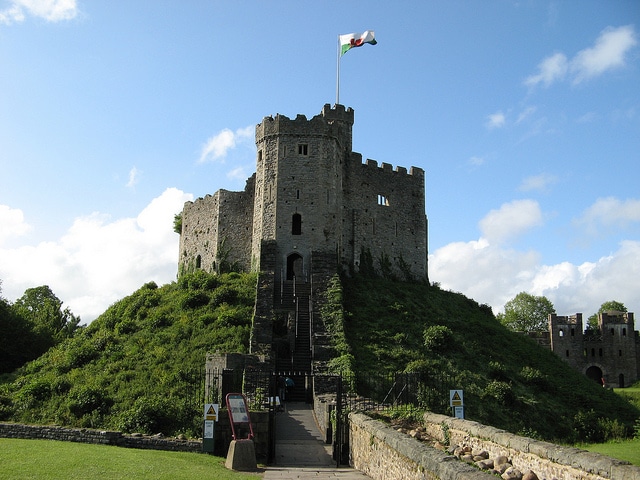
(284, 151)
(561, 333)
(619, 353)
(382, 200)
(296, 224)
(567, 353)
(303, 149)
(613, 332)
(198, 261)
(624, 332)
(600, 352)
(573, 332)
(297, 194)
(593, 352)
(259, 156)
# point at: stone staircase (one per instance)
(297, 297)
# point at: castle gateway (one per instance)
(311, 207)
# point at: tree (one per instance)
(592, 321)
(177, 223)
(526, 313)
(43, 310)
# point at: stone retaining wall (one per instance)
(546, 460)
(382, 453)
(102, 437)
(223, 438)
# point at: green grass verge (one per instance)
(628, 450)
(48, 459)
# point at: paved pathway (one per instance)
(300, 450)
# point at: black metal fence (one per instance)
(385, 391)
(360, 391)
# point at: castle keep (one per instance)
(312, 209)
(313, 198)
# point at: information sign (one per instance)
(456, 398)
(241, 427)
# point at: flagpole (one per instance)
(338, 74)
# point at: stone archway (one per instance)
(595, 374)
(295, 266)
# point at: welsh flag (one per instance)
(351, 40)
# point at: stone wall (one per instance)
(98, 437)
(546, 460)
(223, 438)
(382, 453)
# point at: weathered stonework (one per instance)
(311, 193)
(611, 355)
(546, 460)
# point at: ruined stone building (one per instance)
(610, 355)
(313, 208)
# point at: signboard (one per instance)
(211, 411)
(458, 412)
(456, 398)
(208, 434)
(241, 427)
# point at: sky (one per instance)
(524, 115)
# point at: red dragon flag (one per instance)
(351, 40)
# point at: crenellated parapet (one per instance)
(332, 122)
(387, 168)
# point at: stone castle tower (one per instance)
(315, 204)
(610, 355)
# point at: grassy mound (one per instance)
(137, 367)
(509, 381)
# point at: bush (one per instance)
(154, 414)
(86, 399)
(224, 294)
(194, 300)
(499, 391)
(437, 338)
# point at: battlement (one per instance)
(566, 319)
(616, 318)
(388, 168)
(322, 124)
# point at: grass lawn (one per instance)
(628, 450)
(48, 459)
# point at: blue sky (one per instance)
(525, 116)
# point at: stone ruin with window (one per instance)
(312, 208)
(609, 355)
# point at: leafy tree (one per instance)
(592, 321)
(177, 223)
(526, 313)
(43, 310)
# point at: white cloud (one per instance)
(526, 113)
(100, 260)
(134, 175)
(549, 70)
(537, 182)
(608, 53)
(50, 10)
(510, 220)
(12, 223)
(609, 212)
(492, 275)
(476, 161)
(496, 120)
(216, 147)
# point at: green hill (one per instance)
(509, 381)
(134, 367)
